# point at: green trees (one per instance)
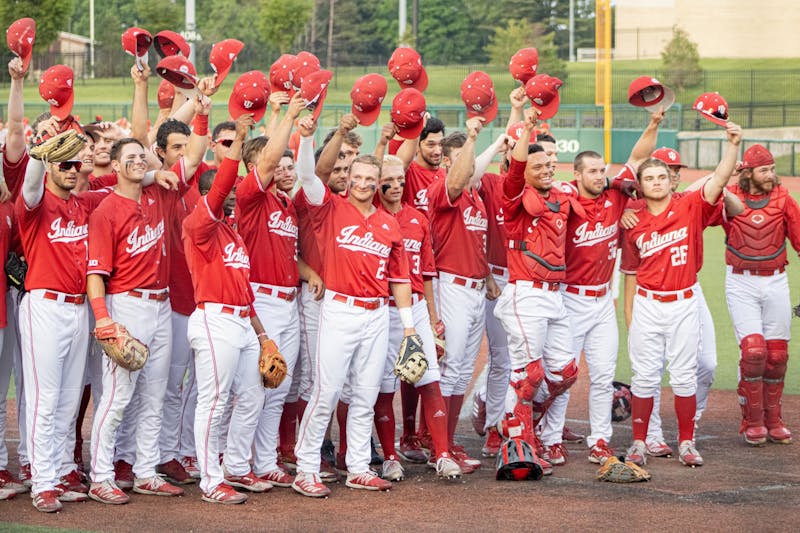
(681, 61)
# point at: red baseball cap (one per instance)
(713, 107)
(756, 156)
(314, 90)
(280, 74)
(523, 64)
(367, 95)
(542, 90)
(222, 56)
(515, 132)
(408, 111)
(179, 71)
(304, 64)
(136, 42)
(405, 66)
(668, 156)
(166, 95)
(56, 89)
(250, 95)
(477, 92)
(649, 93)
(168, 43)
(20, 37)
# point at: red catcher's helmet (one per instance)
(621, 404)
(517, 462)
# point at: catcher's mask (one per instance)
(517, 461)
(621, 404)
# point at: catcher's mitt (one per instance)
(125, 350)
(438, 337)
(16, 269)
(616, 470)
(63, 147)
(271, 365)
(411, 364)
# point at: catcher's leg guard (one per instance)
(751, 370)
(528, 380)
(522, 388)
(569, 375)
(777, 357)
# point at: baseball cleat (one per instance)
(327, 473)
(156, 486)
(447, 468)
(637, 453)
(368, 480)
(278, 478)
(547, 468)
(570, 437)
(108, 492)
(9, 482)
(779, 434)
(190, 465)
(658, 448)
(687, 454)
(249, 481)
(123, 475)
(7, 494)
(410, 450)
(70, 496)
(224, 494)
(600, 452)
(462, 457)
(755, 435)
(493, 443)
(25, 474)
(47, 501)
(555, 454)
(479, 414)
(174, 471)
(310, 485)
(392, 470)
(74, 482)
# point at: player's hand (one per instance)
(167, 179)
(296, 105)
(277, 99)
(530, 119)
(202, 104)
(49, 127)
(657, 116)
(105, 321)
(347, 123)
(628, 220)
(15, 69)
(474, 126)
(5, 194)
(206, 86)
(492, 289)
(244, 124)
(316, 286)
(306, 126)
(734, 132)
(518, 97)
(139, 77)
(388, 131)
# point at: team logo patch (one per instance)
(757, 218)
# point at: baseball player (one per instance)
(415, 229)
(426, 166)
(224, 332)
(368, 264)
(663, 251)
(757, 291)
(128, 248)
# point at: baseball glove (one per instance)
(125, 350)
(16, 269)
(438, 337)
(616, 470)
(271, 365)
(63, 147)
(410, 364)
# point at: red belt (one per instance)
(468, 283)
(157, 296)
(498, 271)
(365, 303)
(283, 295)
(772, 272)
(228, 310)
(415, 298)
(591, 293)
(665, 298)
(545, 285)
(66, 298)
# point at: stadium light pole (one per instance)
(91, 39)
(402, 20)
(571, 31)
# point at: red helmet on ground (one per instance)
(517, 462)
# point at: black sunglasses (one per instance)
(226, 142)
(67, 165)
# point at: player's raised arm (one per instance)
(518, 99)
(198, 140)
(139, 111)
(647, 141)
(515, 181)
(719, 179)
(460, 173)
(228, 169)
(330, 153)
(312, 185)
(485, 158)
(15, 138)
(271, 154)
(387, 134)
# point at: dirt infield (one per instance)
(740, 488)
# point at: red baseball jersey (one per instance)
(756, 238)
(216, 255)
(536, 227)
(662, 250)
(14, 174)
(491, 192)
(268, 224)
(362, 255)
(459, 231)
(307, 238)
(54, 234)
(6, 228)
(417, 240)
(418, 179)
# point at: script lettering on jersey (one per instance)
(499, 218)
(659, 242)
(139, 244)
(412, 245)
(283, 227)
(235, 257)
(589, 237)
(349, 240)
(421, 200)
(68, 233)
(475, 222)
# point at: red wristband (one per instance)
(200, 125)
(99, 308)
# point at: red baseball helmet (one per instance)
(179, 71)
(542, 90)
(222, 56)
(168, 43)
(20, 37)
(405, 66)
(280, 74)
(517, 462)
(166, 95)
(668, 156)
(477, 92)
(515, 132)
(649, 93)
(250, 95)
(314, 90)
(136, 42)
(756, 156)
(305, 63)
(713, 107)
(367, 95)
(408, 111)
(56, 87)
(523, 64)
